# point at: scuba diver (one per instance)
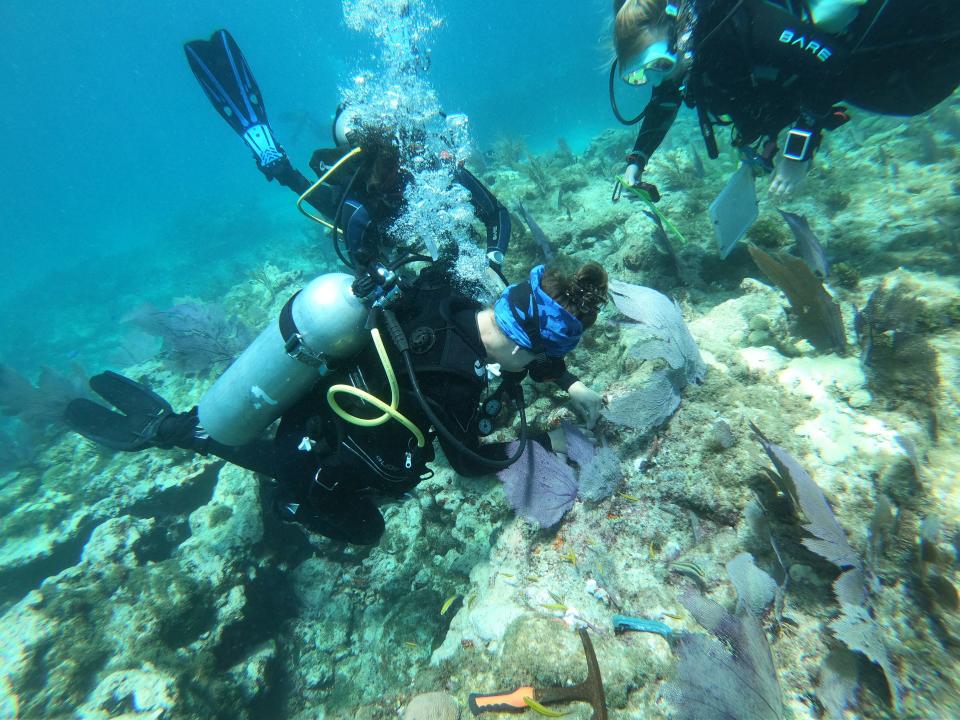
(361, 183)
(762, 65)
(363, 370)
(331, 460)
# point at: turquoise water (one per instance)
(823, 439)
(120, 165)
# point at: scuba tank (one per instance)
(322, 321)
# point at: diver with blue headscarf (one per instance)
(451, 368)
(363, 370)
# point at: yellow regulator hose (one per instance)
(336, 166)
(389, 411)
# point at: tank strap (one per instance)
(292, 339)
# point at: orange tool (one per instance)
(590, 690)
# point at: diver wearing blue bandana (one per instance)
(443, 356)
(535, 321)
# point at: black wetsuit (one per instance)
(331, 473)
(364, 214)
(759, 67)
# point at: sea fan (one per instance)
(540, 485)
(665, 337)
(730, 675)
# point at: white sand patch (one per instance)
(833, 386)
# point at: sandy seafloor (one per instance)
(158, 585)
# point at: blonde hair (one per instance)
(636, 25)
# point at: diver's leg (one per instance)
(340, 515)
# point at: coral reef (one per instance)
(160, 585)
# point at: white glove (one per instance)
(631, 176)
(586, 403)
(788, 176)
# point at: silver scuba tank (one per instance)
(322, 321)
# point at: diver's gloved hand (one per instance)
(788, 176)
(586, 403)
(631, 176)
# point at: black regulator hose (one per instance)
(613, 99)
(400, 341)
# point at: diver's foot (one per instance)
(144, 419)
(788, 176)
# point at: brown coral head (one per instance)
(432, 706)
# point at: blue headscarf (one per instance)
(521, 304)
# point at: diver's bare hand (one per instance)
(788, 177)
(586, 403)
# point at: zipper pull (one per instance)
(408, 460)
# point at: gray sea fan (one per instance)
(857, 630)
(600, 477)
(665, 337)
(837, 686)
(580, 449)
(730, 675)
(196, 336)
(665, 334)
(755, 588)
(830, 539)
(647, 407)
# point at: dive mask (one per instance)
(652, 66)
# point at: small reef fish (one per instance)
(539, 236)
(447, 603)
(559, 607)
(410, 644)
(810, 249)
(690, 570)
(631, 498)
(541, 710)
(571, 557)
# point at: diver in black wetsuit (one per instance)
(761, 65)
(331, 471)
(317, 370)
(363, 194)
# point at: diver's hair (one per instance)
(581, 294)
(636, 24)
(381, 156)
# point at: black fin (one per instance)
(133, 429)
(128, 395)
(225, 77)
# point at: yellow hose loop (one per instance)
(377, 403)
(389, 411)
(336, 166)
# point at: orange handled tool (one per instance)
(505, 702)
(590, 690)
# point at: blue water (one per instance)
(121, 185)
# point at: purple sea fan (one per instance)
(540, 485)
(196, 336)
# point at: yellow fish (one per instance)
(447, 604)
(540, 709)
